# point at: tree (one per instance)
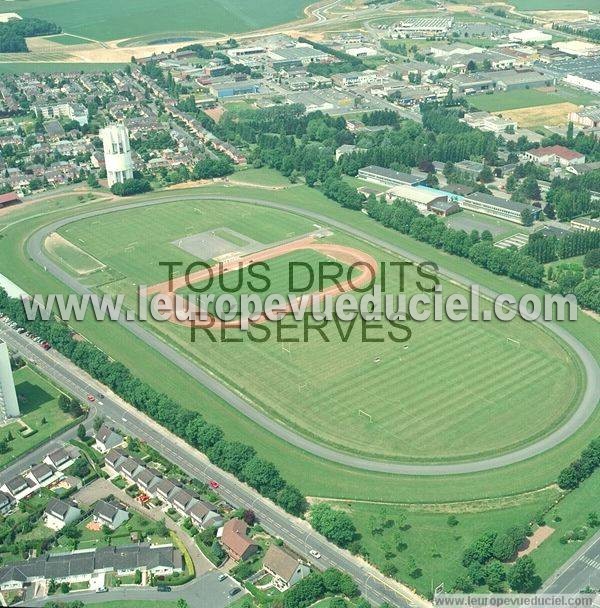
(592, 259)
(98, 422)
(452, 521)
(336, 526)
(81, 432)
(527, 217)
(161, 527)
(522, 577)
(504, 547)
(181, 603)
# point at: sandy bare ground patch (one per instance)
(340, 253)
(559, 15)
(533, 542)
(215, 113)
(538, 116)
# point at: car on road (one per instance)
(315, 554)
(213, 484)
(102, 590)
(234, 591)
(91, 398)
(46, 346)
(163, 588)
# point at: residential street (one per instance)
(296, 533)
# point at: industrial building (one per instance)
(529, 36)
(497, 207)
(117, 153)
(422, 27)
(9, 405)
(586, 117)
(235, 88)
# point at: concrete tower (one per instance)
(9, 406)
(117, 153)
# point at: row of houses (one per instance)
(36, 477)
(89, 564)
(202, 513)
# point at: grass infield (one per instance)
(440, 397)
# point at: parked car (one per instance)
(222, 577)
(102, 590)
(163, 588)
(234, 591)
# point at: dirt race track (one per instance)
(174, 302)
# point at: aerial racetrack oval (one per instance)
(329, 446)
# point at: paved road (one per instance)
(205, 591)
(296, 533)
(581, 571)
(588, 403)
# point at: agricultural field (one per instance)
(67, 40)
(433, 398)
(113, 19)
(38, 401)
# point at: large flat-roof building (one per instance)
(421, 198)
(388, 177)
(497, 207)
(422, 27)
(9, 405)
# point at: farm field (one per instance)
(67, 40)
(540, 5)
(397, 412)
(38, 401)
(114, 19)
(314, 476)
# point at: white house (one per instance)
(285, 569)
(106, 439)
(60, 513)
(110, 514)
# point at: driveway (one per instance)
(205, 591)
(100, 488)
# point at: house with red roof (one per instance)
(555, 155)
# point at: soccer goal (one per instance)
(366, 415)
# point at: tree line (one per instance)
(14, 32)
(237, 458)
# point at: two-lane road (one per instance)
(296, 533)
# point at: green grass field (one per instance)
(113, 19)
(38, 401)
(441, 397)
(426, 536)
(526, 98)
(67, 40)
(314, 476)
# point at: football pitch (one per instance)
(453, 391)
